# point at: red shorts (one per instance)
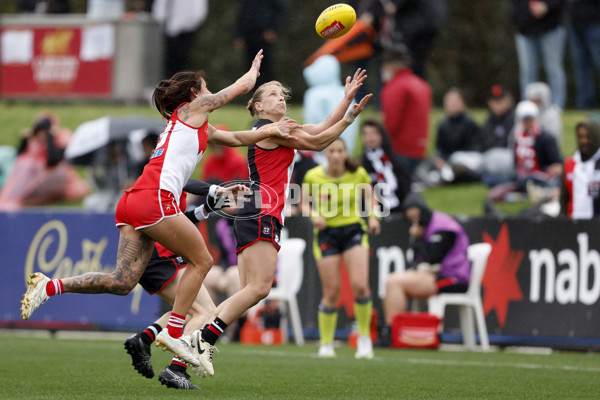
(142, 208)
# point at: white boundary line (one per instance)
(429, 361)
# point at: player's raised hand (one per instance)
(354, 83)
(357, 109)
(256, 62)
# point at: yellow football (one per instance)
(335, 21)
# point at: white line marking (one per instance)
(430, 361)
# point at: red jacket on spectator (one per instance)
(406, 103)
(224, 165)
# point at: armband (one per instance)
(200, 213)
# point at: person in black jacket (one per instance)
(457, 141)
(258, 26)
(384, 166)
(496, 140)
(584, 34)
(540, 38)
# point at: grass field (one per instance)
(49, 368)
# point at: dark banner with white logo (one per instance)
(541, 284)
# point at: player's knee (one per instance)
(331, 297)
(261, 291)
(204, 264)
(361, 291)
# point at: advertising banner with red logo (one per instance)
(71, 61)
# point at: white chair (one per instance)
(471, 300)
(290, 271)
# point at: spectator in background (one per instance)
(415, 24)
(149, 143)
(258, 25)
(7, 156)
(223, 165)
(324, 92)
(584, 40)
(40, 175)
(537, 158)
(44, 6)
(406, 103)
(440, 263)
(384, 167)
(540, 36)
(496, 140)
(580, 184)
(112, 172)
(180, 19)
(457, 141)
(550, 115)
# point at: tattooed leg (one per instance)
(135, 250)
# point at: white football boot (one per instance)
(197, 346)
(35, 295)
(181, 348)
(364, 348)
(326, 351)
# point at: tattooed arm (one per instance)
(212, 101)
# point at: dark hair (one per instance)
(349, 164)
(258, 93)
(170, 93)
(418, 201)
(386, 144)
(398, 54)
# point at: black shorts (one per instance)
(333, 241)
(160, 271)
(450, 285)
(249, 231)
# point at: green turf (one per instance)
(85, 369)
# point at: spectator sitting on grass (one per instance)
(496, 141)
(537, 157)
(456, 158)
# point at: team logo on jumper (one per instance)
(266, 230)
(157, 153)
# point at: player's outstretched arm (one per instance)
(279, 129)
(213, 101)
(352, 86)
(318, 142)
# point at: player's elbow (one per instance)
(123, 288)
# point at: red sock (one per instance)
(177, 366)
(175, 325)
(54, 287)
